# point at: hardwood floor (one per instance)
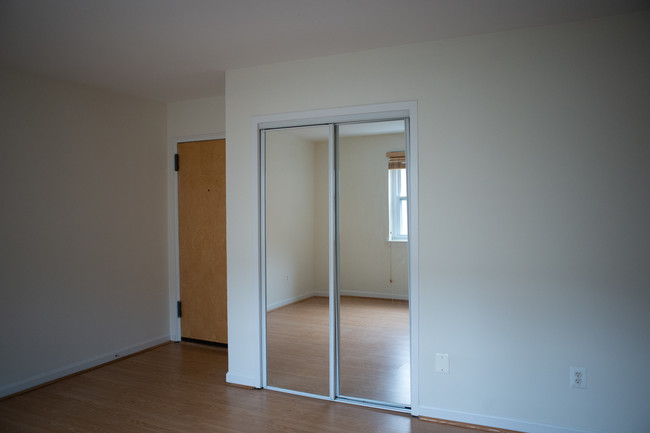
(297, 347)
(374, 348)
(180, 387)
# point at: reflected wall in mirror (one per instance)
(297, 259)
(373, 285)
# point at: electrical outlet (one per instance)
(577, 377)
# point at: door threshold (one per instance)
(298, 393)
(204, 342)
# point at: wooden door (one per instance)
(202, 239)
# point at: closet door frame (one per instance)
(331, 117)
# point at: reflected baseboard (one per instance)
(377, 295)
(324, 294)
(289, 301)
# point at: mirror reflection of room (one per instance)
(373, 280)
(374, 362)
(297, 257)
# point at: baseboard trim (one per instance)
(289, 301)
(241, 381)
(490, 423)
(376, 295)
(466, 425)
(369, 295)
(44, 379)
(236, 385)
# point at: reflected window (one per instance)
(397, 197)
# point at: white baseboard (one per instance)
(289, 301)
(241, 380)
(495, 421)
(380, 295)
(359, 294)
(365, 294)
(42, 378)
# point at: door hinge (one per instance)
(179, 308)
(176, 162)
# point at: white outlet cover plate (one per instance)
(577, 377)
(442, 363)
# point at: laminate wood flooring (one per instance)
(180, 387)
(297, 346)
(374, 348)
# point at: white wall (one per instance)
(83, 228)
(196, 117)
(290, 205)
(321, 218)
(297, 219)
(534, 209)
(368, 263)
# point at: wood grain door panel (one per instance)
(202, 239)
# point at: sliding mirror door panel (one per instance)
(374, 354)
(296, 261)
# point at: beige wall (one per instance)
(368, 263)
(534, 210)
(83, 228)
(290, 223)
(297, 225)
(196, 117)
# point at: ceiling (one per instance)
(170, 50)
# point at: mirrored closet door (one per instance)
(297, 264)
(335, 258)
(374, 349)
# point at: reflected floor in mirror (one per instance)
(374, 348)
